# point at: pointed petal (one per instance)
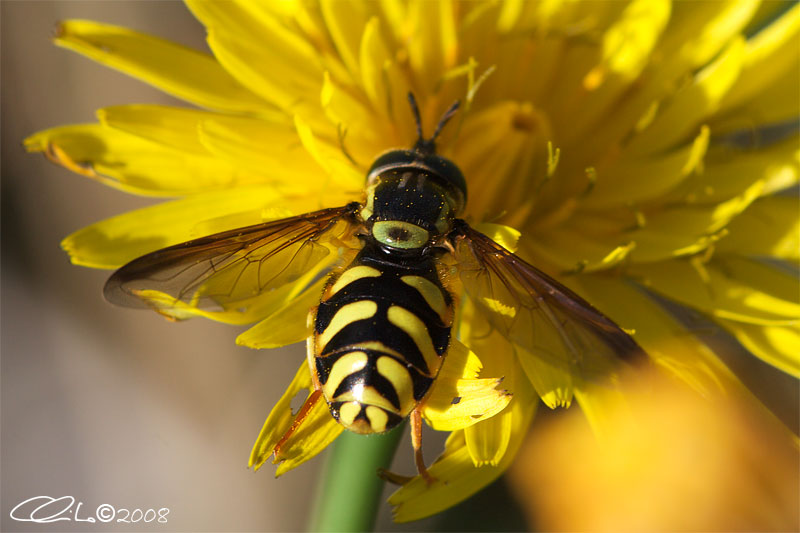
(768, 55)
(287, 325)
(172, 126)
(317, 431)
(333, 160)
(727, 287)
(134, 164)
(627, 48)
(345, 22)
(433, 48)
(373, 59)
(730, 170)
(246, 36)
(247, 311)
(639, 179)
(117, 240)
(628, 43)
(456, 476)
(349, 113)
(684, 230)
(457, 399)
(267, 147)
(553, 383)
(188, 74)
(666, 341)
(505, 236)
(504, 141)
(770, 227)
(775, 345)
(487, 442)
(692, 104)
(775, 104)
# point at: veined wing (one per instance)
(229, 271)
(537, 312)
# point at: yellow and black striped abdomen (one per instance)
(380, 334)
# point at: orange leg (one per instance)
(416, 442)
(301, 415)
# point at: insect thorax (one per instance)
(406, 210)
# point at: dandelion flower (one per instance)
(618, 146)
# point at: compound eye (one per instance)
(398, 234)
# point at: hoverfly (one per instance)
(383, 324)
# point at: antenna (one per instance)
(429, 145)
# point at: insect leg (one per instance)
(416, 442)
(298, 420)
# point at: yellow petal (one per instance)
(666, 341)
(117, 240)
(173, 126)
(317, 431)
(433, 48)
(179, 127)
(602, 404)
(264, 146)
(639, 179)
(685, 230)
(727, 287)
(460, 363)
(340, 170)
(287, 325)
(626, 49)
(270, 59)
(553, 383)
(627, 44)
(576, 249)
(188, 74)
(776, 104)
(134, 164)
(457, 399)
(349, 113)
(770, 227)
(274, 151)
(505, 236)
(699, 31)
(767, 56)
(696, 33)
(456, 476)
(373, 59)
(345, 22)
(728, 171)
(776, 345)
(522, 132)
(692, 104)
(487, 441)
(467, 402)
(243, 310)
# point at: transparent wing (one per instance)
(229, 271)
(535, 311)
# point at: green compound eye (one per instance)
(401, 235)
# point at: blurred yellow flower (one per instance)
(670, 460)
(608, 133)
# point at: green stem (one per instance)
(350, 492)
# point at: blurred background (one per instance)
(116, 406)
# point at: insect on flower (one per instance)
(383, 325)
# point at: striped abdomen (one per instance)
(380, 334)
